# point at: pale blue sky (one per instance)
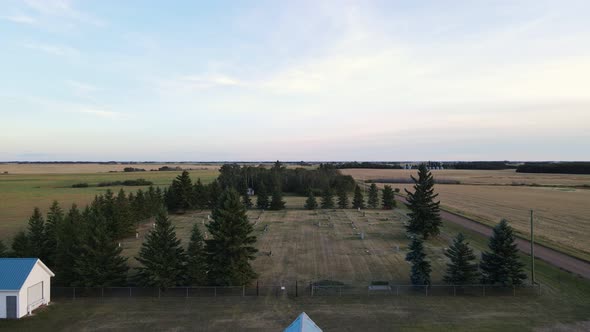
(294, 80)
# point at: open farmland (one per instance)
(477, 177)
(20, 193)
(71, 168)
(562, 212)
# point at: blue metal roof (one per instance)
(303, 324)
(14, 272)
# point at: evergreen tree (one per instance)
(201, 196)
(245, 197)
(162, 258)
(138, 207)
(461, 269)
(20, 245)
(388, 198)
(36, 236)
(358, 202)
(231, 246)
(373, 200)
(124, 221)
(276, 202)
(311, 203)
(3, 250)
(262, 201)
(342, 198)
(182, 187)
(501, 264)
(99, 262)
(420, 273)
(68, 247)
(424, 211)
(196, 259)
(55, 217)
(214, 192)
(327, 199)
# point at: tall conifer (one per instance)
(501, 264)
(196, 259)
(461, 269)
(358, 202)
(424, 211)
(373, 201)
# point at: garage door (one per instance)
(35, 293)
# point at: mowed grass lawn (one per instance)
(301, 249)
(20, 193)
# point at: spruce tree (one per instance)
(99, 262)
(124, 221)
(420, 272)
(327, 199)
(200, 195)
(246, 198)
(37, 238)
(424, 211)
(373, 201)
(231, 246)
(55, 217)
(21, 246)
(196, 259)
(311, 203)
(388, 198)
(358, 202)
(501, 264)
(342, 198)
(69, 236)
(162, 258)
(182, 188)
(262, 197)
(3, 250)
(214, 190)
(276, 202)
(461, 269)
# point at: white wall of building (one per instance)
(38, 274)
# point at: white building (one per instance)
(24, 286)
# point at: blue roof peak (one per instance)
(14, 272)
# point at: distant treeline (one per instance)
(409, 180)
(367, 164)
(581, 167)
(480, 165)
(138, 182)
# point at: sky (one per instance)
(294, 80)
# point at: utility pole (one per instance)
(532, 250)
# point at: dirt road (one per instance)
(549, 255)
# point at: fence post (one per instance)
(340, 291)
(74, 290)
(311, 287)
(513, 290)
(130, 289)
(257, 289)
(187, 292)
(215, 291)
(243, 290)
(397, 290)
(426, 290)
(102, 292)
(159, 292)
(454, 290)
(484, 290)
(296, 289)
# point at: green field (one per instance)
(20, 193)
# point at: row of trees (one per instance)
(80, 246)
(358, 201)
(499, 265)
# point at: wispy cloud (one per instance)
(22, 19)
(101, 113)
(62, 9)
(59, 50)
(192, 83)
(81, 88)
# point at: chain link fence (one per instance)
(296, 289)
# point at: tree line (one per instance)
(499, 265)
(549, 167)
(82, 248)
